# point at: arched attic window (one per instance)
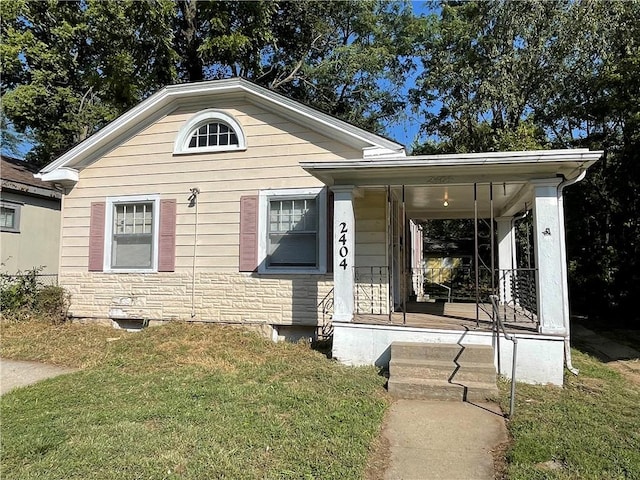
(210, 131)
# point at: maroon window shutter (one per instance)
(167, 237)
(249, 233)
(96, 236)
(329, 231)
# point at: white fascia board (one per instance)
(162, 102)
(472, 159)
(450, 168)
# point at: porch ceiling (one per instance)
(428, 201)
(429, 180)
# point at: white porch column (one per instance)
(506, 257)
(344, 231)
(549, 246)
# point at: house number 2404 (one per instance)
(343, 251)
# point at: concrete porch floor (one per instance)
(452, 316)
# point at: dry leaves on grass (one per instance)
(70, 345)
(206, 347)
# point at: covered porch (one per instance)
(452, 316)
(383, 281)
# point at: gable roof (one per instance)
(170, 97)
(17, 175)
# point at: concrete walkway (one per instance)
(606, 349)
(16, 373)
(432, 440)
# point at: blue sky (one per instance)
(406, 129)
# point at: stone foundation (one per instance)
(233, 298)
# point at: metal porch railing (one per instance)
(498, 326)
(326, 308)
(518, 294)
(450, 283)
(371, 290)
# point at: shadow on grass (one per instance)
(606, 344)
(323, 346)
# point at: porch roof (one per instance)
(431, 179)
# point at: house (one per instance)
(29, 221)
(223, 201)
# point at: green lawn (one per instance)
(189, 401)
(185, 401)
(590, 429)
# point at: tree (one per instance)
(68, 68)
(604, 102)
(348, 58)
(487, 65)
(521, 75)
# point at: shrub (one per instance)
(23, 296)
(52, 302)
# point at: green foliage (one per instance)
(18, 292)
(487, 65)
(527, 75)
(348, 58)
(52, 302)
(69, 68)
(24, 296)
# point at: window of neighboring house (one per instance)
(131, 234)
(292, 231)
(210, 131)
(10, 217)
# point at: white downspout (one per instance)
(563, 269)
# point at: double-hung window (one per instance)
(292, 231)
(131, 238)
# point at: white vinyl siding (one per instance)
(277, 147)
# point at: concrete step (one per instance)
(442, 351)
(425, 388)
(443, 370)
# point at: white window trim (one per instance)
(265, 196)
(16, 207)
(108, 232)
(181, 146)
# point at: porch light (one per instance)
(445, 203)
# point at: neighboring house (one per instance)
(29, 220)
(223, 201)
